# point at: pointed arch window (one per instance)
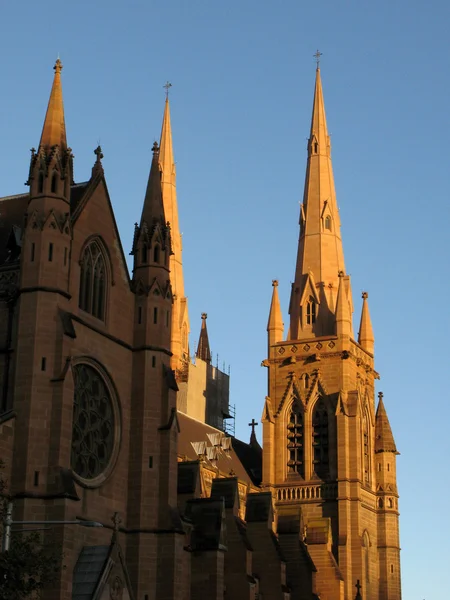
(54, 186)
(93, 281)
(156, 253)
(366, 451)
(40, 183)
(144, 254)
(321, 461)
(310, 311)
(296, 463)
(328, 222)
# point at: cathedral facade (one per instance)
(107, 419)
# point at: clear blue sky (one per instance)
(243, 75)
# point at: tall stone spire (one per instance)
(51, 167)
(203, 349)
(275, 326)
(320, 256)
(54, 130)
(365, 336)
(180, 317)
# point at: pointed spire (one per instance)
(320, 247)
(180, 317)
(153, 209)
(275, 326)
(384, 440)
(203, 350)
(343, 317)
(365, 336)
(54, 130)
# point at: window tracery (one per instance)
(310, 312)
(296, 464)
(92, 424)
(321, 462)
(93, 281)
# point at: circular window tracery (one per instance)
(93, 424)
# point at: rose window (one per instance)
(93, 423)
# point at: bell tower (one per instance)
(326, 450)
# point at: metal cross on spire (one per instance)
(253, 424)
(167, 87)
(317, 56)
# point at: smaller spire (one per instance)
(153, 208)
(365, 336)
(203, 350)
(54, 130)
(275, 326)
(384, 440)
(343, 318)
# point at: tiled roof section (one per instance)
(226, 488)
(88, 570)
(192, 431)
(76, 193)
(384, 440)
(12, 212)
(250, 456)
(207, 516)
(259, 508)
(188, 477)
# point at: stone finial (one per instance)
(275, 282)
(364, 295)
(58, 66)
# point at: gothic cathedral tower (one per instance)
(329, 458)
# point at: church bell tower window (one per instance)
(320, 440)
(366, 451)
(295, 445)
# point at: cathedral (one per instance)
(110, 425)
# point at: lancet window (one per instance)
(366, 451)
(296, 464)
(321, 461)
(310, 312)
(328, 222)
(93, 281)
